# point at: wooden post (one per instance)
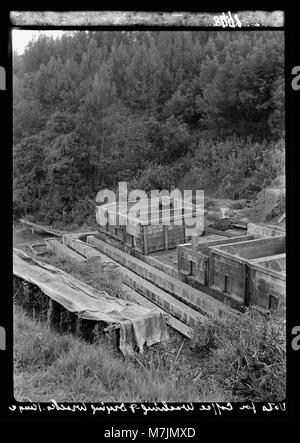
(78, 327)
(26, 291)
(194, 240)
(247, 294)
(53, 314)
(145, 240)
(50, 313)
(61, 320)
(166, 236)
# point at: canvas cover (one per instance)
(139, 326)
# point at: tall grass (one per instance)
(246, 356)
(61, 367)
(90, 273)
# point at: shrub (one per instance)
(278, 210)
(237, 167)
(154, 177)
(246, 355)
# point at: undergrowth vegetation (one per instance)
(200, 110)
(89, 272)
(226, 360)
(246, 356)
(49, 366)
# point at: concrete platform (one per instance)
(169, 258)
(135, 285)
(193, 260)
(62, 250)
(192, 297)
(229, 264)
(267, 281)
(166, 266)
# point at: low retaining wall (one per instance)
(195, 262)
(170, 304)
(229, 264)
(264, 231)
(267, 283)
(62, 250)
(192, 297)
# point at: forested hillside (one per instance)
(156, 109)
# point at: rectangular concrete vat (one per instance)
(170, 304)
(62, 250)
(229, 271)
(197, 299)
(194, 262)
(264, 230)
(267, 282)
(150, 225)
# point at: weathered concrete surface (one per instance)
(40, 228)
(267, 283)
(275, 262)
(150, 225)
(168, 303)
(191, 296)
(158, 260)
(166, 261)
(259, 230)
(229, 264)
(79, 235)
(130, 294)
(196, 262)
(80, 246)
(176, 324)
(62, 250)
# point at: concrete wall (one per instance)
(198, 300)
(62, 250)
(275, 262)
(191, 262)
(252, 249)
(147, 236)
(196, 262)
(267, 288)
(263, 231)
(229, 269)
(137, 283)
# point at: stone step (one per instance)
(194, 298)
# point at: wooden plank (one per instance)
(240, 225)
(38, 227)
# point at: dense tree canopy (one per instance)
(93, 108)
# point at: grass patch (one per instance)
(90, 273)
(246, 356)
(237, 360)
(49, 366)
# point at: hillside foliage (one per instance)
(91, 109)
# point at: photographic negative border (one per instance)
(184, 21)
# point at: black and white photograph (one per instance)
(149, 211)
